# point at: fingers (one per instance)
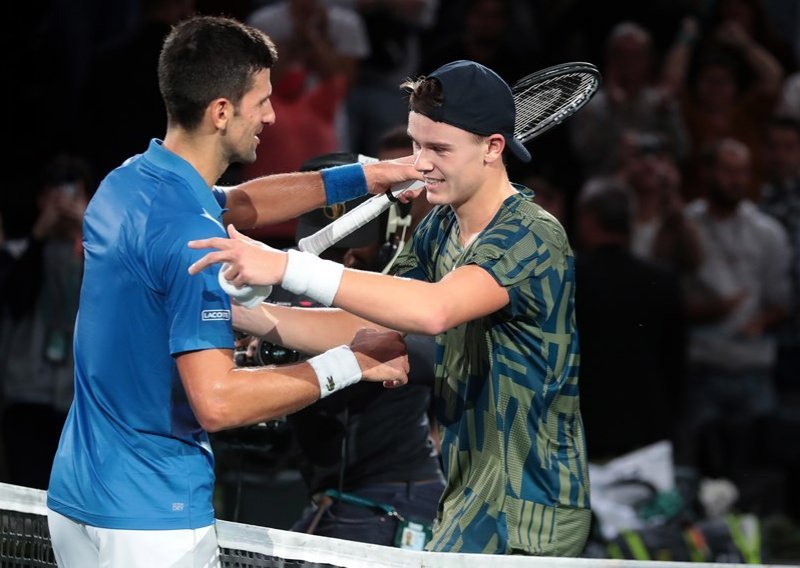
(233, 233)
(214, 242)
(394, 383)
(208, 260)
(406, 160)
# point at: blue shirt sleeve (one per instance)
(220, 196)
(198, 310)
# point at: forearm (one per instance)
(281, 197)
(223, 396)
(308, 330)
(273, 199)
(257, 394)
(402, 304)
(407, 305)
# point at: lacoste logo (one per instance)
(215, 315)
(331, 385)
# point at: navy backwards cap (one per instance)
(478, 100)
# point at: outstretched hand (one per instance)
(250, 262)
(382, 356)
(381, 176)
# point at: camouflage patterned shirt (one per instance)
(506, 391)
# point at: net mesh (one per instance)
(25, 543)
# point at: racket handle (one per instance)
(352, 220)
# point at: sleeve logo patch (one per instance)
(215, 315)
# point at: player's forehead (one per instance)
(425, 131)
(260, 85)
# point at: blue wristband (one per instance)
(343, 183)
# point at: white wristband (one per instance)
(308, 275)
(247, 296)
(336, 369)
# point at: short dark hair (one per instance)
(206, 57)
(425, 94)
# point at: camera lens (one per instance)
(281, 355)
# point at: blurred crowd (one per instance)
(679, 185)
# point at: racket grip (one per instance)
(344, 225)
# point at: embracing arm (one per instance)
(223, 396)
(413, 306)
(308, 330)
(281, 197)
(273, 199)
(406, 305)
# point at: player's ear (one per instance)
(495, 144)
(220, 112)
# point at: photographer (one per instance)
(41, 293)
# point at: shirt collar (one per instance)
(165, 159)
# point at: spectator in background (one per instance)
(394, 29)
(497, 33)
(629, 99)
(632, 332)
(660, 229)
(737, 297)
(321, 47)
(780, 198)
(36, 338)
(753, 18)
(728, 86)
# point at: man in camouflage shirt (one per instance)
(491, 275)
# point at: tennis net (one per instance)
(25, 543)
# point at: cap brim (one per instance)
(519, 151)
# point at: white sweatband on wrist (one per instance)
(308, 275)
(247, 296)
(336, 369)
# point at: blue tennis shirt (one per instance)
(132, 454)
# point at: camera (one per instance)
(266, 353)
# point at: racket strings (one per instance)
(547, 103)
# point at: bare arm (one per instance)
(273, 199)
(309, 330)
(410, 306)
(761, 61)
(223, 396)
(676, 62)
(281, 197)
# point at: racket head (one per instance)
(546, 98)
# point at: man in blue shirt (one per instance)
(133, 477)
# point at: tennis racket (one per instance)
(543, 100)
